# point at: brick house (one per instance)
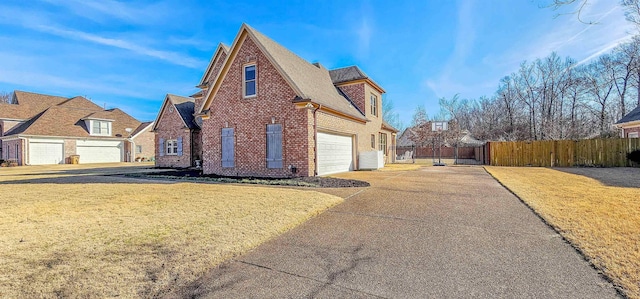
(42, 129)
(630, 124)
(176, 133)
(264, 111)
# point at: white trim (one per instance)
(143, 130)
(14, 119)
(635, 135)
(94, 137)
(93, 122)
(255, 80)
(174, 146)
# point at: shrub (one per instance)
(634, 156)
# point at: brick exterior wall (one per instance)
(249, 117)
(69, 150)
(629, 130)
(197, 145)
(146, 139)
(170, 126)
(9, 150)
(356, 93)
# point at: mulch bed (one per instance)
(196, 175)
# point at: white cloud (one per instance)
(364, 33)
(167, 56)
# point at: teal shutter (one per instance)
(228, 151)
(274, 146)
(179, 146)
(162, 147)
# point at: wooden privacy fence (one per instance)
(563, 153)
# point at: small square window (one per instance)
(138, 149)
(172, 147)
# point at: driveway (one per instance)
(432, 233)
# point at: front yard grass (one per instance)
(602, 221)
(144, 239)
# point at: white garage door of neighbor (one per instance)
(99, 151)
(335, 153)
(42, 152)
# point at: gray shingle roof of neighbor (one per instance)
(346, 74)
(313, 81)
(634, 115)
(185, 106)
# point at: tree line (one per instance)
(554, 98)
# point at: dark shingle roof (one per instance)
(634, 115)
(346, 74)
(186, 108)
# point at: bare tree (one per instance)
(390, 115)
(5, 97)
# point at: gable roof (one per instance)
(222, 48)
(142, 127)
(27, 104)
(309, 82)
(185, 107)
(634, 115)
(67, 122)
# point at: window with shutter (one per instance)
(228, 144)
(274, 146)
(178, 150)
(161, 147)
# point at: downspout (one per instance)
(315, 140)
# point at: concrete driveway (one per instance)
(439, 232)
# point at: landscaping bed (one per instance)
(197, 176)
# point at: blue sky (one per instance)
(129, 54)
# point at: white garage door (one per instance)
(43, 152)
(98, 151)
(335, 153)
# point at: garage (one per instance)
(99, 151)
(335, 153)
(46, 151)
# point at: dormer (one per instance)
(99, 126)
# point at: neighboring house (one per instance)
(406, 137)
(143, 143)
(41, 129)
(409, 134)
(176, 133)
(264, 111)
(630, 124)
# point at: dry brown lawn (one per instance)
(127, 239)
(600, 218)
(401, 167)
